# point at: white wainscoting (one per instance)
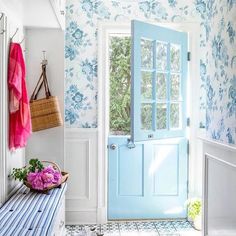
(81, 162)
(8, 160)
(219, 189)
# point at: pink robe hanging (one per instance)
(19, 118)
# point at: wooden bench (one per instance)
(34, 214)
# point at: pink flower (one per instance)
(48, 169)
(35, 179)
(56, 174)
(45, 178)
(31, 176)
(57, 177)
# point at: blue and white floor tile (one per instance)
(135, 228)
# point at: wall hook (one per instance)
(2, 31)
(1, 16)
(14, 34)
(22, 40)
(44, 61)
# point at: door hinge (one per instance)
(189, 56)
(187, 186)
(188, 122)
(188, 147)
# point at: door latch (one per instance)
(150, 136)
(113, 146)
(130, 144)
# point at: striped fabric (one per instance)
(31, 214)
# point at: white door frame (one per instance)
(104, 30)
(3, 108)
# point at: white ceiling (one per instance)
(39, 13)
(31, 13)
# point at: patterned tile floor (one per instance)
(133, 228)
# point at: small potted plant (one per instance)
(40, 177)
(195, 211)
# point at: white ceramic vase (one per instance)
(198, 222)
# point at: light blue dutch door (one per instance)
(148, 175)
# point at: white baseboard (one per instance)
(81, 217)
(102, 215)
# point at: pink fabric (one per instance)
(20, 120)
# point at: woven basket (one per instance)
(45, 113)
(64, 178)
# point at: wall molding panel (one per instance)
(74, 144)
(81, 163)
(3, 110)
(219, 188)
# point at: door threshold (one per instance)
(148, 220)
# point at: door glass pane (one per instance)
(175, 115)
(146, 116)
(146, 85)
(120, 80)
(161, 56)
(175, 57)
(161, 115)
(146, 54)
(161, 86)
(159, 71)
(175, 86)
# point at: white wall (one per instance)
(80, 145)
(13, 9)
(46, 144)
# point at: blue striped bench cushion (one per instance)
(30, 213)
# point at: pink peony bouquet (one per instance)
(43, 179)
(39, 177)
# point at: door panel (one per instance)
(165, 166)
(148, 181)
(159, 72)
(130, 161)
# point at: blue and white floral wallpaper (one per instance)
(218, 71)
(217, 64)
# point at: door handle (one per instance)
(113, 146)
